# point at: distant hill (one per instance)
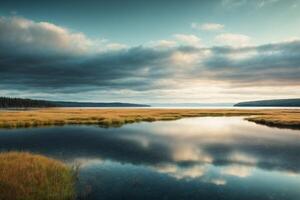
(7, 102)
(271, 103)
(94, 104)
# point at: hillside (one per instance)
(271, 103)
(7, 102)
(93, 104)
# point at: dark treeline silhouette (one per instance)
(7, 102)
(271, 103)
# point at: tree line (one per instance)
(8, 102)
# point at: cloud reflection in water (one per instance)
(220, 151)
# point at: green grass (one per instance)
(25, 176)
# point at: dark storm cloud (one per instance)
(105, 70)
(44, 57)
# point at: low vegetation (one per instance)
(118, 117)
(284, 120)
(24, 176)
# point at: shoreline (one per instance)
(106, 117)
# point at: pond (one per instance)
(193, 158)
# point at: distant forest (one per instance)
(7, 102)
(271, 103)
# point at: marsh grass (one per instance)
(284, 120)
(25, 176)
(119, 117)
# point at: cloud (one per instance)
(208, 26)
(115, 46)
(163, 44)
(239, 171)
(291, 39)
(25, 35)
(45, 59)
(233, 39)
(181, 173)
(272, 64)
(114, 69)
(218, 181)
(188, 39)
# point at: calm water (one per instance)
(194, 158)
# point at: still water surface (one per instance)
(194, 158)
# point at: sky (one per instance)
(171, 51)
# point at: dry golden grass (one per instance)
(24, 176)
(285, 119)
(118, 117)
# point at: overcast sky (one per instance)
(175, 51)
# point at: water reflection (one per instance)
(185, 159)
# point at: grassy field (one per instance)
(24, 176)
(117, 117)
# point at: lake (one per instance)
(193, 158)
